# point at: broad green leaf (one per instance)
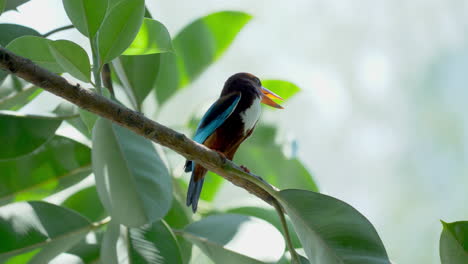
(178, 216)
(87, 251)
(26, 226)
(72, 58)
(199, 257)
(271, 216)
(132, 181)
(3, 75)
(282, 88)
(37, 50)
(286, 259)
(14, 4)
(86, 15)
(88, 118)
(64, 110)
(211, 186)
(56, 165)
(331, 231)
(137, 74)
(10, 32)
(197, 46)
(112, 3)
(226, 244)
(264, 157)
(24, 133)
(152, 37)
(2, 5)
(151, 243)
(167, 79)
(86, 202)
(454, 243)
(119, 28)
(19, 99)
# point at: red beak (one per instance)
(268, 96)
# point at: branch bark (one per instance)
(135, 121)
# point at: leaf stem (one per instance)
(104, 221)
(96, 65)
(57, 30)
(294, 255)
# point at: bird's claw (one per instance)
(221, 154)
(245, 169)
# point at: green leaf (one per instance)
(178, 216)
(151, 243)
(3, 75)
(132, 181)
(19, 99)
(24, 133)
(55, 166)
(86, 15)
(119, 28)
(88, 118)
(2, 5)
(13, 4)
(226, 244)
(327, 225)
(152, 37)
(286, 259)
(86, 202)
(72, 58)
(454, 243)
(282, 88)
(37, 50)
(197, 46)
(10, 32)
(262, 156)
(211, 186)
(29, 225)
(87, 251)
(137, 74)
(271, 216)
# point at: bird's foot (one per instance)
(221, 154)
(244, 168)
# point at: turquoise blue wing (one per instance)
(215, 117)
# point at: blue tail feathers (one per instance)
(194, 191)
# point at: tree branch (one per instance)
(136, 122)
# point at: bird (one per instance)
(227, 123)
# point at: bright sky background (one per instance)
(381, 120)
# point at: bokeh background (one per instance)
(381, 119)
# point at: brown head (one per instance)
(250, 86)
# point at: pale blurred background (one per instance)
(381, 117)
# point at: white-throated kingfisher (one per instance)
(227, 123)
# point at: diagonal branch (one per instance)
(136, 122)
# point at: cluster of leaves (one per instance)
(133, 186)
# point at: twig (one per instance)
(107, 78)
(57, 30)
(96, 64)
(284, 224)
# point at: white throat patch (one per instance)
(251, 115)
